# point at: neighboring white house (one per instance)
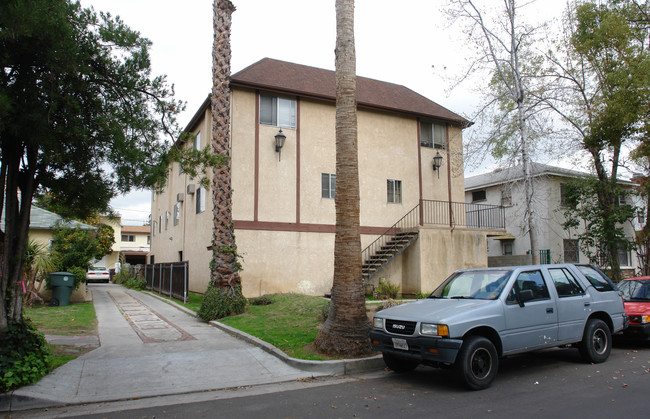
(557, 245)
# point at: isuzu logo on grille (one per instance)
(399, 326)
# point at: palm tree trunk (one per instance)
(225, 265)
(346, 330)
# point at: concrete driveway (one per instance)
(150, 348)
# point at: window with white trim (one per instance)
(277, 111)
(433, 135)
(160, 224)
(197, 141)
(394, 191)
(200, 200)
(328, 185)
(177, 213)
(128, 238)
(154, 228)
(166, 220)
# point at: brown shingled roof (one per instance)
(136, 229)
(318, 83)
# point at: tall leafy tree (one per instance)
(503, 51)
(346, 330)
(81, 117)
(601, 90)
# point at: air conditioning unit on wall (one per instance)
(191, 188)
(180, 197)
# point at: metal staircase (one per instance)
(393, 247)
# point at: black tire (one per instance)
(399, 364)
(596, 342)
(477, 363)
(54, 302)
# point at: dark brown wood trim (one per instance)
(298, 160)
(417, 121)
(257, 155)
(301, 228)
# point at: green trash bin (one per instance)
(62, 284)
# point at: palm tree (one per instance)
(225, 265)
(347, 327)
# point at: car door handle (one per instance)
(549, 310)
(587, 304)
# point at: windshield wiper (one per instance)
(461, 297)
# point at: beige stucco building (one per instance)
(283, 206)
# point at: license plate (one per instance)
(400, 344)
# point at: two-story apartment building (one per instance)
(557, 245)
(134, 244)
(410, 169)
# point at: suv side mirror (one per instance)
(525, 296)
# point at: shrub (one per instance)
(135, 283)
(387, 290)
(388, 303)
(24, 355)
(264, 300)
(218, 303)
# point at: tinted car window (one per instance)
(533, 281)
(565, 284)
(596, 278)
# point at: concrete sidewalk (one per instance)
(152, 348)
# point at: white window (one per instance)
(394, 189)
(277, 111)
(154, 228)
(128, 238)
(166, 219)
(197, 141)
(160, 224)
(200, 200)
(433, 135)
(148, 239)
(328, 185)
(177, 213)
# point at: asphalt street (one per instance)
(553, 383)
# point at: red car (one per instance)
(636, 298)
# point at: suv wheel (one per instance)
(399, 364)
(596, 342)
(477, 362)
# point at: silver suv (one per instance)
(477, 316)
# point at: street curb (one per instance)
(334, 367)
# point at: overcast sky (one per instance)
(408, 43)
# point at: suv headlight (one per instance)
(378, 323)
(429, 329)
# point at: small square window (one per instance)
(394, 189)
(328, 185)
(433, 135)
(479, 195)
(277, 111)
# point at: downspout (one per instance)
(452, 225)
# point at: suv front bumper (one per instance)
(420, 348)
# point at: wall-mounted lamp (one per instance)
(437, 162)
(279, 143)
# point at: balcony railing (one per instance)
(453, 214)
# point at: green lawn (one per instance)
(73, 319)
(290, 323)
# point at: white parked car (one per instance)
(98, 274)
(477, 316)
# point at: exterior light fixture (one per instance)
(437, 162)
(279, 143)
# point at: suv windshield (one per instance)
(484, 285)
